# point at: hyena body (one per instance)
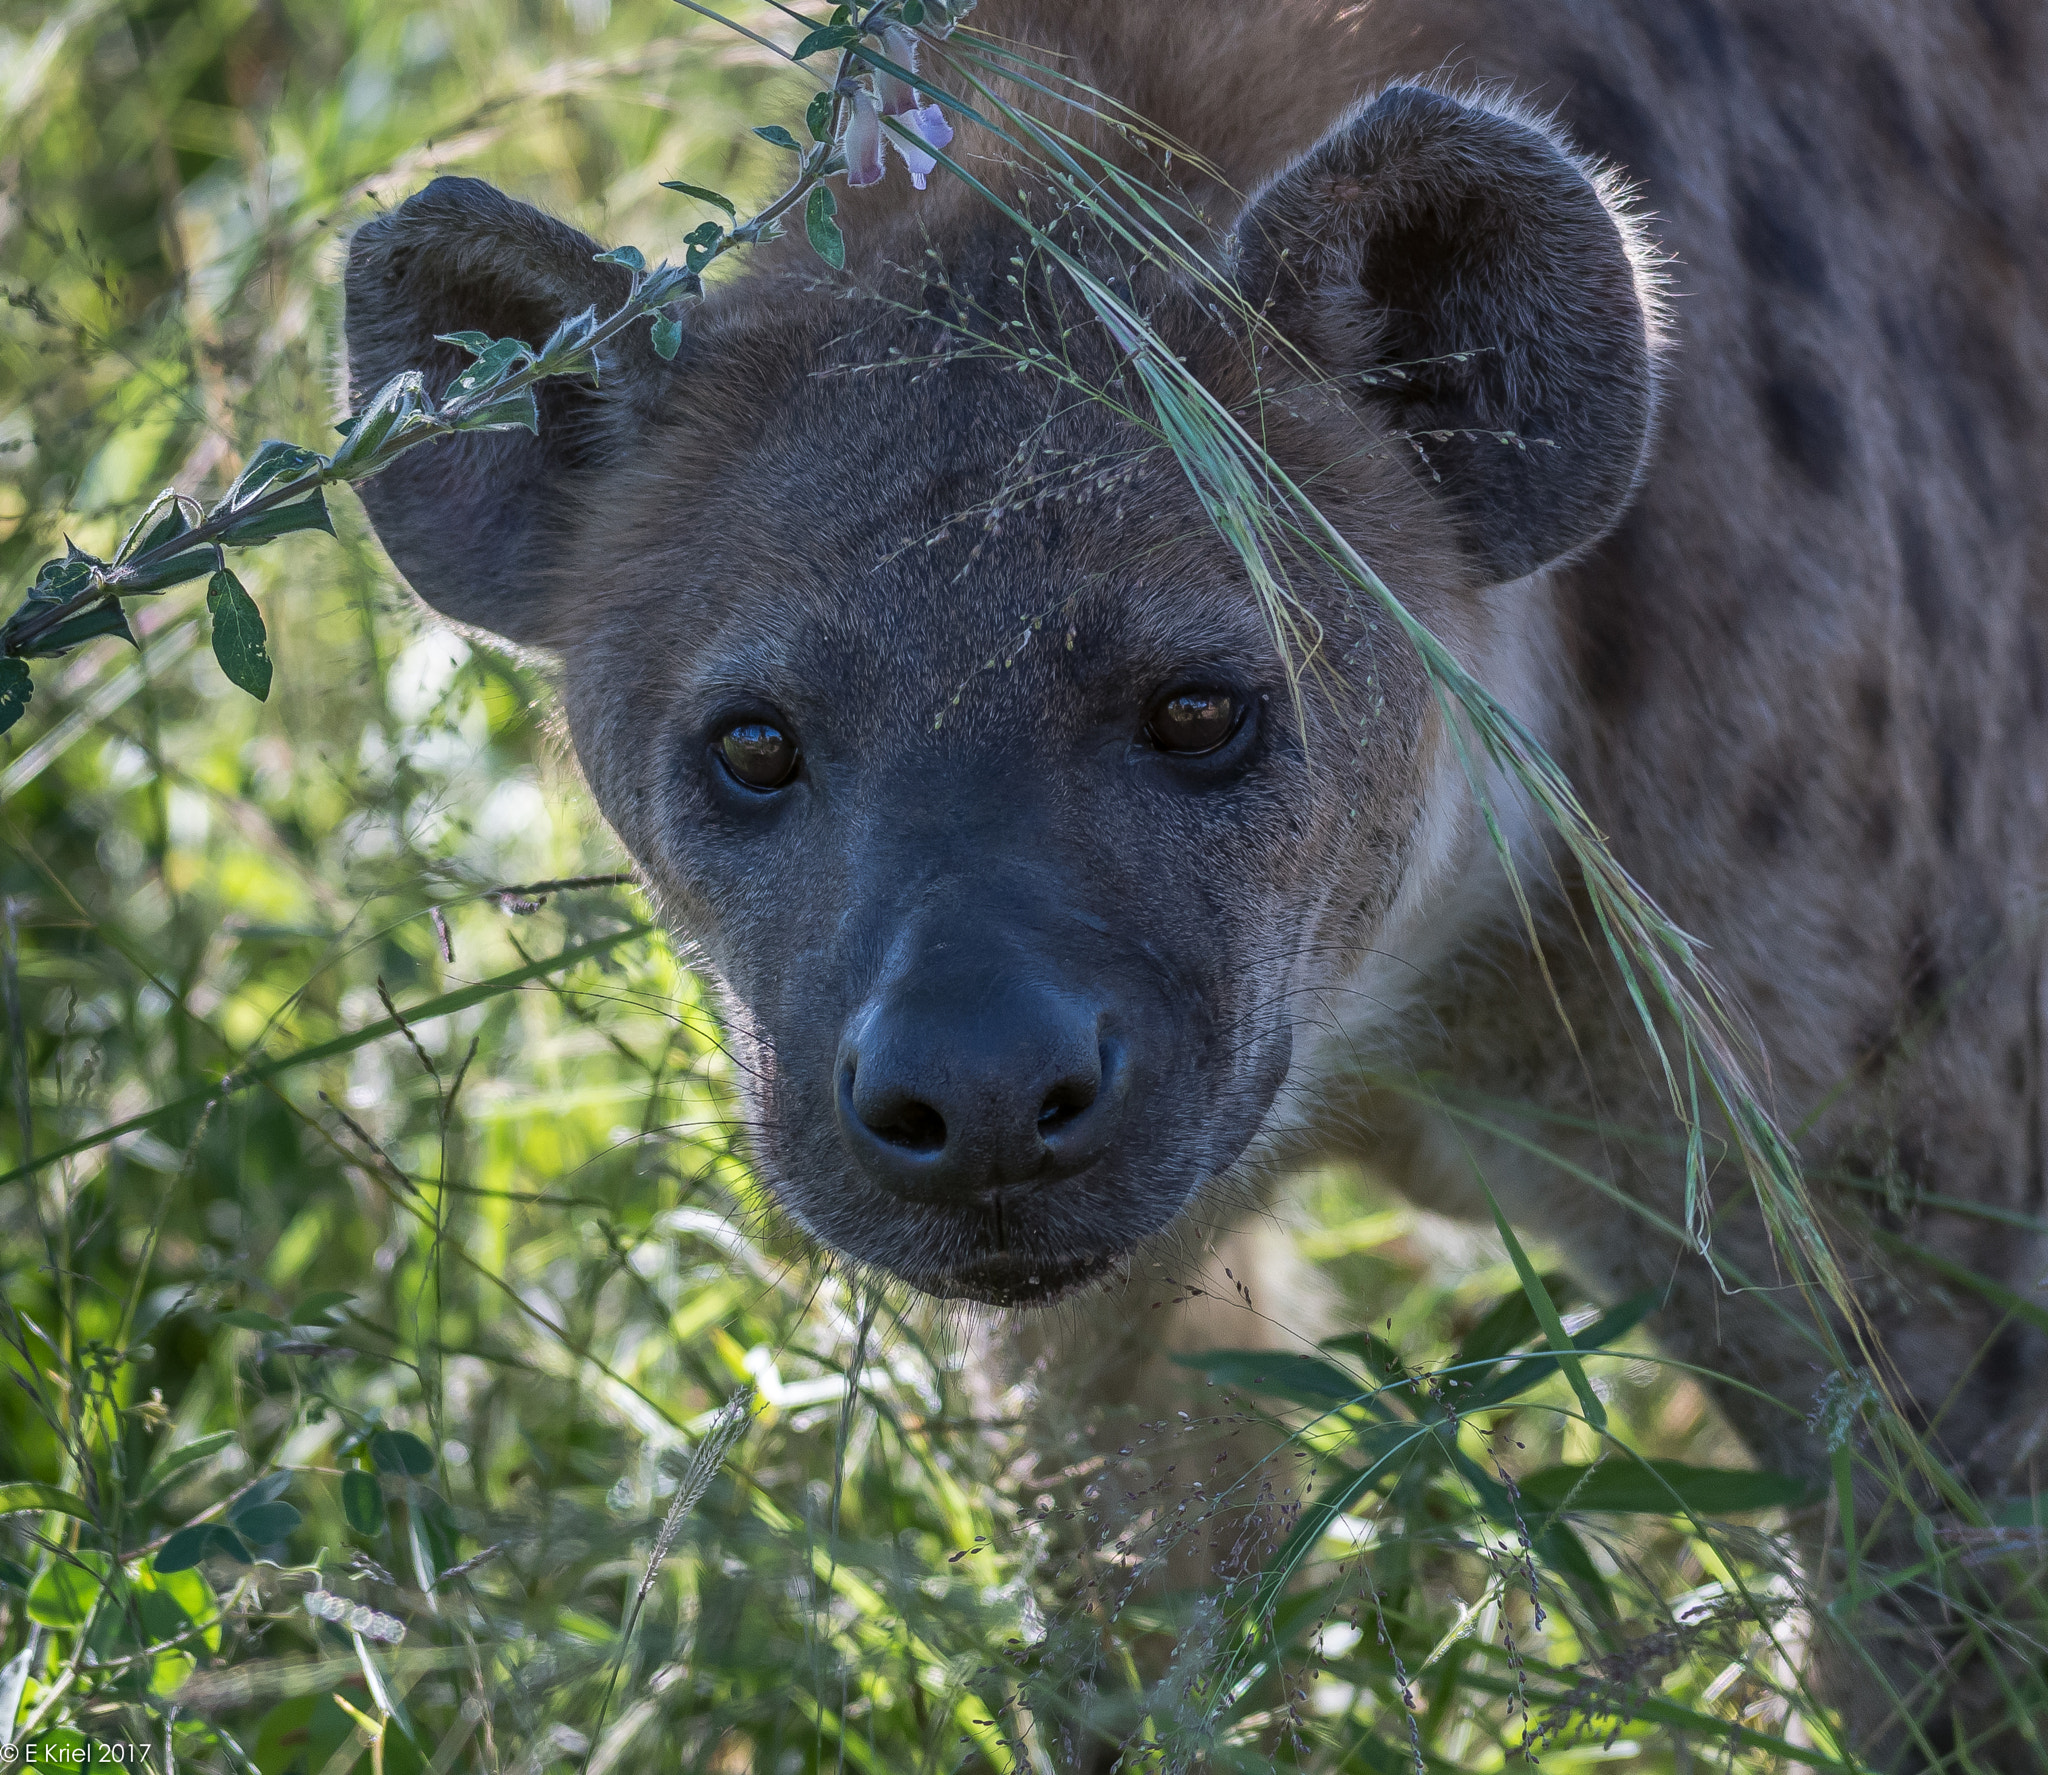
(1032, 976)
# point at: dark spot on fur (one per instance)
(2018, 1069)
(1941, 1740)
(1951, 787)
(1922, 971)
(1606, 118)
(1888, 109)
(2004, 1364)
(1874, 1050)
(1880, 828)
(1920, 574)
(2033, 658)
(1689, 40)
(1607, 594)
(1994, 19)
(1874, 709)
(1768, 815)
(1778, 242)
(1808, 427)
(1909, 1159)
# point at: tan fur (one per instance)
(1803, 686)
(1805, 689)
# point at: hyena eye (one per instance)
(759, 754)
(1192, 721)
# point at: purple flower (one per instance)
(864, 142)
(928, 125)
(918, 127)
(897, 96)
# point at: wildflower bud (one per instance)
(864, 142)
(897, 96)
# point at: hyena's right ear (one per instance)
(470, 521)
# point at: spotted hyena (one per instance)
(1050, 912)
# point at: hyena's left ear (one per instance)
(473, 521)
(1459, 270)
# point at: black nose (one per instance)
(947, 1102)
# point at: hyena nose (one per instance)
(939, 1108)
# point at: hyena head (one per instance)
(1022, 838)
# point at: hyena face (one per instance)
(949, 736)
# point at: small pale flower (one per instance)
(864, 142)
(928, 124)
(897, 96)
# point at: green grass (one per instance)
(468, 1272)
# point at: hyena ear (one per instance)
(1458, 269)
(470, 521)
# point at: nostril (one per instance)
(1065, 1101)
(913, 1126)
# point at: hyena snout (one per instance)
(954, 1085)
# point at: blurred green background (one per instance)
(510, 1275)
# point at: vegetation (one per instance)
(403, 1369)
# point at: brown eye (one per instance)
(1191, 722)
(759, 753)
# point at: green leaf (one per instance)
(670, 283)
(64, 1595)
(175, 524)
(178, 1459)
(266, 1523)
(818, 117)
(275, 463)
(1546, 1315)
(1341, 1489)
(1381, 1359)
(319, 1309)
(16, 688)
(517, 411)
(239, 643)
(1519, 1377)
(703, 244)
(26, 1495)
(823, 229)
(147, 538)
(667, 336)
(202, 1540)
(776, 136)
(309, 513)
(471, 341)
(1280, 1375)
(824, 37)
(1510, 1323)
(362, 1501)
(444, 1005)
(175, 570)
(1664, 1488)
(913, 12)
(2027, 1512)
(399, 1451)
(248, 1318)
(564, 348)
(701, 193)
(270, 1486)
(1558, 1546)
(394, 408)
(89, 624)
(61, 579)
(431, 1513)
(492, 366)
(629, 257)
